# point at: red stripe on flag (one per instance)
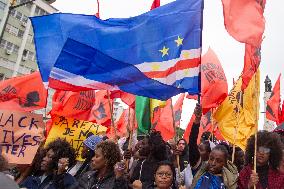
(180, 65)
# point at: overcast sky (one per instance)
(229, 51)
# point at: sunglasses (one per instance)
(263, 150)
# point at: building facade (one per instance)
(17, 50)
(118, 109)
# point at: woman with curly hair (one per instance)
(107, 169)
(54, 161)
(268, 158)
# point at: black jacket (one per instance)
(63, 181)
(90, 181)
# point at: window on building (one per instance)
(3, 43)
(25, 52)
(13, 12)
(31, 55)
(9, 45)
(37, 10)
(2, 5)
(19, 15)
(25, 19)
(30, 38)
(20, 33)
(16, 49)
(12, 30)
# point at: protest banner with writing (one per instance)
(74, 131)
(20, 135)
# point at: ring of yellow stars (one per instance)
(164, 51)
(179, 41)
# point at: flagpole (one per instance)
(256, 123)
(128, 120)
(111, 114)
(212, 124)
(130, 135)
(173, 117)
(237, 127)
(175, 134)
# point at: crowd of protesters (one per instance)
(154, 164)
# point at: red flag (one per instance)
(212, 78)
(194, 97)
(164, 120)
(178, 109)
(251, 64)
(48, 126)
(155, 4)
(23, 93)
(101, 110)
(282, 113)
(206, 126)
(244, 20)
(125, 122)
(127, 98)
(187, 131)
(273, 104)
(74, 104)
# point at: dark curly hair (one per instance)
(158, 148)
(61, 149)
(269, 140)
(110, 152)
(171, 165)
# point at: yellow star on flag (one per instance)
(186, 72)
(179, 41)
(164, 51)
(155, 67)
(185, 55)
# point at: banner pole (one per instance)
(130, 135)
(237, 127)
(256, 122)
(175, 135)
(111, 115)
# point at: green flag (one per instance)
(142, 110)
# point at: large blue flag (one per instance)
(156, 54)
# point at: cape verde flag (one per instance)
(156, 54)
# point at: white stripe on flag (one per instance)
(78, 80)
(178, 75)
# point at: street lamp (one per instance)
(11, 7)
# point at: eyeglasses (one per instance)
(262, 149)
(168, 175)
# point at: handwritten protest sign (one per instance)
(20, 135)
(74, 131)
